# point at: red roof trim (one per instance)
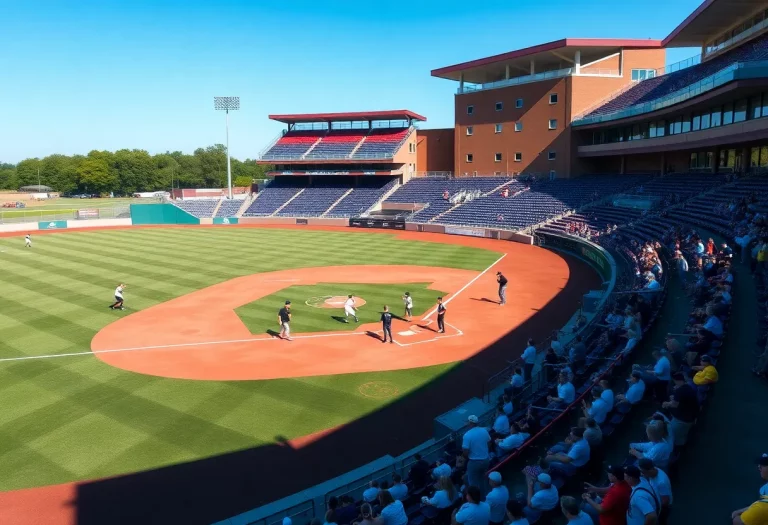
(549, 46)
(354, 115)
(685, 23)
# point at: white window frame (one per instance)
(549, 124)
(518, 156)
(470, 131)
(551, 155)
(552, 103)
(470, 109)
(497, 128)
(469, 158)
(552, 174)
(499, 106)
(519, 103)
(497, 157)
(518, 126)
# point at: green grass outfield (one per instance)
(76, 418)
(62, 206)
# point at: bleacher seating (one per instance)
(364, 196)
(293, 145)
(229, 208)
(381, 143)
(200, 208)
(269, 200)
(338, 143)
(313, 201)
(661, 86)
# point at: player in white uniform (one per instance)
(349, 309)
(118, 304)
(408, 302)
(28, 241)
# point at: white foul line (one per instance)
(452, 297)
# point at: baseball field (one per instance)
(192, 368)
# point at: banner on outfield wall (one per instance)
(52, 225)
(472, 232)
(302, 222)
(87, 214)
(362, 222)
(225, 220)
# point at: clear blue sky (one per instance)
(108, 74)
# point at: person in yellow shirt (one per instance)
(755, 514)
(707, 373)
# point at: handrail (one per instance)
(515, 81)
(738, 38)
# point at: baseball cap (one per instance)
(616, 470)
(763, 461)
(287, 302)
(544, 478)
(472, 419)
(632, 471)
(637, 374)
(498, 273)
(495, 477)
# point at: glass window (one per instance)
(717, 118)
(696, 123)
(470, 110)
(660, 127)
(722, 161)
(552, 155)
(727, 114)
(754, 158)
(652, 130)
(740, 111)
(636, 132)
(497, 128)
(497, 157)
(755, 107)
(678, 125)
(499, 106)
(470, 157)
(553, 123)
(694, 159)
(644, 131)
(731, 158)
(686, 124)
(518, 126)
(470, 130)
(671, 127)
(519, 103)
(764, 112)
(518, 157)
(705, 121)
(553, 98)
(709, 159)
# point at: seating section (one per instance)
(381, 143)
(313, 201)
(366, 194)
(661, 86)
(338, 143)
(269, 200)
(200, 208)
(229, 208)
(292, 145)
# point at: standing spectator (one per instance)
(529, 359)
(659, 482)
(515, 383)
(643, 502)
(474, 511)
(577, 355)
(682, 267)
(684, 407)
(556, 345)
(475, 447)
(497, 499)
(419, 473)
(612, 508)
(575, 516)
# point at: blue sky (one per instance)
(142, 74)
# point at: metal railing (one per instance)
(710, 50)
(516, 81)
(722, 77)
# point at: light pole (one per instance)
(227, 104)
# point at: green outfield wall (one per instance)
(160, 214)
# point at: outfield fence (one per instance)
(22, 215)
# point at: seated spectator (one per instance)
(569, 456)
(419, 473)
(643, 503)
(633, 337)
(330, 517)
(371, 494)
(713, 324)
(636, 389)
(398, 490)
(392, 511)
(444, 496)
(706, 372)
(607, 394)
(660, 374)
(659, 482)
(497, 499)
(347, 512)
(655, 449)
(474, 511)
(507, 405)
(565, 392)
(684, 407)
(592, 433)
(512, 442)
(366, 511)
(515, 383)
(515, 513)
(597, 409)
(575, 516)
(542, 499)
(556, 345)
(608, 505)
(500, 425)
(757, 513)
(442, 469)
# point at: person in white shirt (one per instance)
(643, 502)
(541, 500)
(659, 481)
(118, 304)
(392, 511)
(444, 496)
(660, 375)
(474, 511)
(556, 345)
(399, 490)
(501, 424)
(475, 446)
(28, 241)
(565, 392)
(529, 359)
(515, 383)
(371, 494)
(607, 395)
(515, 514)
(573, 513)
(442, 469)
(349, 309)
(655, 449)
(408, 302)
(513, 441)
(597, 409)
(497, 498)
(636, 389)
(507, 407)
(576, 457)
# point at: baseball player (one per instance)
(118, 304)
(386, 324)
(349, 309)
(502, 288)
(408, 302)
(440, 316)
(28, 241)
(284, 318)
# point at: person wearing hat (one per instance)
(408, 303)
(684, 408)
(575, 516)
(349, 309)
(287, 521)
(474, 511)
(757, 513)
(475, 448)
(659, 482)
(706, 372)
(544, 499)
(497, 498)
(612, 508)
(502, 288)
(284, 319)
(643, 503)
(635, 390)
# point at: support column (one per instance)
(577, 63)
(623, 164)
(461, 82)
(533, 67)
(621, 62)
(506, 73)
(663, 166)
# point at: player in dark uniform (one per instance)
(440, 315)
(284, 318)
(502, 288)
(386, 324)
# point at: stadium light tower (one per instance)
(227, 104)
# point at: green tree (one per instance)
(8, 180)
(96, 176)
(135, 171)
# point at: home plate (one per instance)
(407, 332)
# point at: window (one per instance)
(553, 98)
(497, 157)
(705, 121)
(553, 123)
(686, 124)
(552, 174)
(470, 157)
(499, 106)
(652, 130)
(518, 157)
(518, 126)
(660, 127)
(497, 128)
(470, 130)
(765, 105)
(755, 107)
(552, 155)
(717, 119)
(519, 103)
(470, 110)
(740, 111)
(727, 114)
(696, 123)
(643, 74)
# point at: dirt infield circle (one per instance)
(333, 301)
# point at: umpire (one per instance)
(440, 316)
(502, 288)
(386, 324)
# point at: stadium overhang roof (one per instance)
(546, 57)
(395, 114)
(710, 19)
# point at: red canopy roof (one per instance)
(709, 20)
(394, 114)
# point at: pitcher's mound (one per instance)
(333, 301)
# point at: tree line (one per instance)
(128, 171)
